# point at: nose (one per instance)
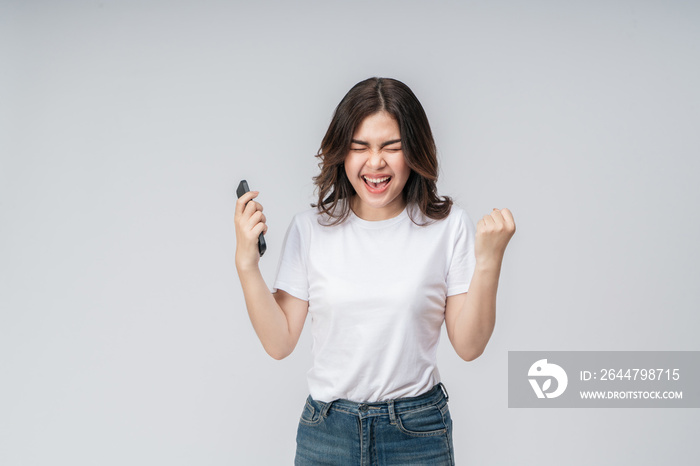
(376, 159)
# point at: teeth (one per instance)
(377, 180)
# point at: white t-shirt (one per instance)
(376, 293)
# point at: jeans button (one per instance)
(363, 407)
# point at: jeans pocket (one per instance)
(423, 422)
(311, 415)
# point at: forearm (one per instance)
(268, 319)
(477, 318)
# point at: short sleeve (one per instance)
(463, 262)
(291, 270)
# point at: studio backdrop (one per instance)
(125, 127)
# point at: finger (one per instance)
(252, 207)
(244, 199)
(259, 228)
(259, 217)
(488, 220)
(508, 216)
(496, 215)
(255, 219)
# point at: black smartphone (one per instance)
(242, 189)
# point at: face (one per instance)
(376, 168)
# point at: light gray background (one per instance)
(126, 125)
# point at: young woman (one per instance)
(379, 263)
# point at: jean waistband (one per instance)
(433, 397)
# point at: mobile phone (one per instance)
(242, 189)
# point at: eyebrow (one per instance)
(364, 143)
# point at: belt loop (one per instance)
(444, 390)
(392, 414)
(325, 408)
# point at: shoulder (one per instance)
(302, 220)
(305, 215)
(459, 215)
(300, 229)
(457, 218)
(309, 219)
(458, 224)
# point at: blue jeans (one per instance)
(406, 431)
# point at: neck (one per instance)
(377, 214)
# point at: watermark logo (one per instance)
(603, 379)
(547, 371)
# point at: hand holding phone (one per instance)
(242, 189)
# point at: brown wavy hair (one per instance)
(364, 99)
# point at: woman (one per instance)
(379, 263)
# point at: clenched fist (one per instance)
(493, 232)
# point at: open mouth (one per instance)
(376, 184)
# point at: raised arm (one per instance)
(471, 317)
(277, 318)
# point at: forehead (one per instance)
(380, 125)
